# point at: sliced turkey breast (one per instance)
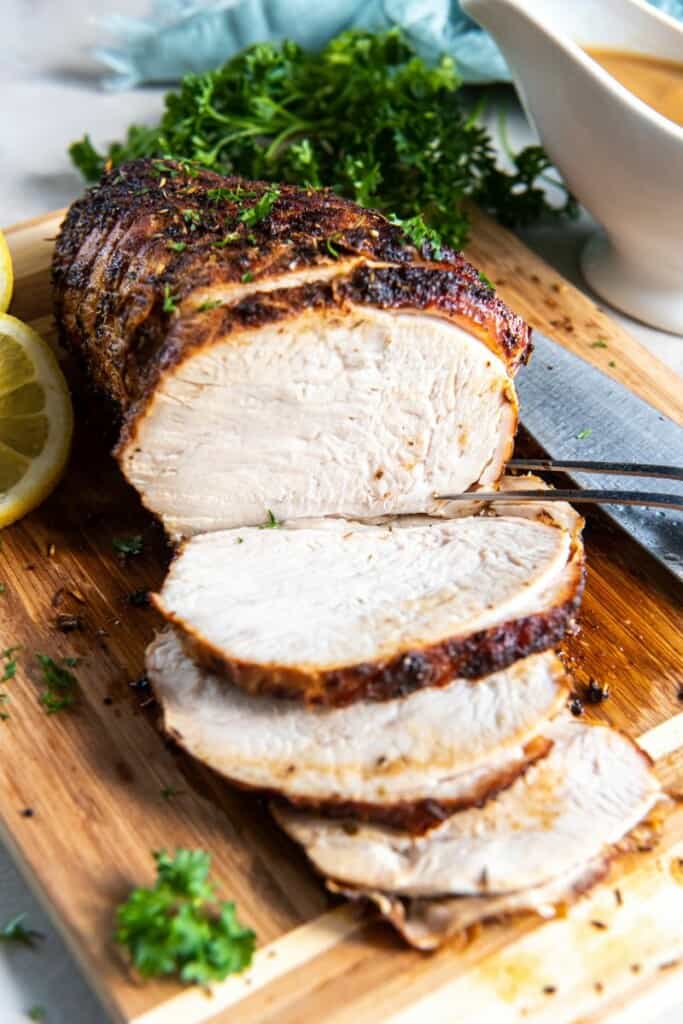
(282, 349)
(335, 611)
(594, 786)
(428, 922)
(408, 761)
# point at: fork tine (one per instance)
(606, 497)
(616, 468)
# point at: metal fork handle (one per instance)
(615, 468)
(576, 497)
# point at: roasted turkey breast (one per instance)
(593, 787)
(281, 349)
(409, 761)
(374, 611)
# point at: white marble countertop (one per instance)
(50, 96)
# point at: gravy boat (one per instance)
(622, 159)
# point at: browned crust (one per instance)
(418, 817)
(114, 261)
(470, 657)
(417, 288)
(425, 924)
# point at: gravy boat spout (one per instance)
(622, 159)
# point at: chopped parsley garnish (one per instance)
(234, 195)
(60, 692)
(133, 545)
(600, 343)
(247, 277)
(423, 237)
(271, 522)
(36, 1013)
(177, 246)
(209, 304)
(486, 280)
(228, 239)
(584, 433)
(15, 932)
(3, 588)
(192, 217)
(180, 927)
(170, 300)
(259, 211)
(611, 363)
(334, 253)
(10, 666)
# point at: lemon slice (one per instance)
(36, 419)
(6, 275)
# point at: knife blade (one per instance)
(574, 411)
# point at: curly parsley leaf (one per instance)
(179, 927)
(364, 116)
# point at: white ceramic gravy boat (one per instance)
(622, 159)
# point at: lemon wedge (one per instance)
(6, 275)
(36, 419)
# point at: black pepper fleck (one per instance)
(596, 692)
(576, 706)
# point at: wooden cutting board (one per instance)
(86, 795)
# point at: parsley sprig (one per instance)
(15, 932)
(364, 116)
(179, 927)
(61, 684)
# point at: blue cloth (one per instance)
(195, 35)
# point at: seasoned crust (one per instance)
(407, 289)
(427, 923)
(471, 657)
(151, 228)
(417, 817)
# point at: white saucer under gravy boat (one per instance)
(622, 159)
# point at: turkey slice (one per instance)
(594, 786)
(410, 760)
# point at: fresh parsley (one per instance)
(600, 343)
(582, 434)
(233, 195)
(179, 927)
(15, 932)
(247, 277)
(133, 545)
(228, 239)
(61, 684)
(10, 666)
(364, 115)
(192, 217)
(262, 207)
(271, 522)
(36, 1013)
(208, 304)
(177, 246)
(3, 588)
(170, 300)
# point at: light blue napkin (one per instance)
(195, 35)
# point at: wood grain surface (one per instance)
(104, 789)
